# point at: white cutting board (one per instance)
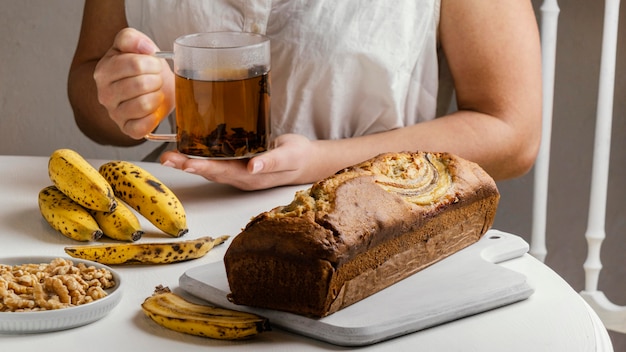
(466, 283)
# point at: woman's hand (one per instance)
(136, 88)
(293, 160)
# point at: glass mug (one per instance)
(222, 95)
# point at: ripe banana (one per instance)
(146, 194)
(146, 253)
(80, 181)
(121, 224)
(67, 216)
(174, 312)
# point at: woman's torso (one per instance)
(339, 68)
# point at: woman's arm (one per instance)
(493, 50)
(102, 20)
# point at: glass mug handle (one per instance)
(162, 137)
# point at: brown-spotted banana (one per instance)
(174, 312)
(146, 253)
(121, 224)
(80, 181)
(67, 216)
(147, 195)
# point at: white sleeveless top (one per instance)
(339, 68)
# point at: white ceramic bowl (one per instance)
(59, 319)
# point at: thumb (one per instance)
(290, 152)
(269, 162)
(130, 40)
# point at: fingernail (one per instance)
(257, 166)
(190, 170)
(168, 163)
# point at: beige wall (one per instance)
(38, 37)
(37, 41)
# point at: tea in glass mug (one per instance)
(222, 95)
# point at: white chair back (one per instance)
(612, 315)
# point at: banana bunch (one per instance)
(81, 204)
(146, 253)
(147, 195)
(87, 199)
(174, 312)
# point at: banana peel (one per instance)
(175, 313)
(146, 253)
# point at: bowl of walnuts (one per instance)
(41, 294)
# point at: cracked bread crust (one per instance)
(359, 231)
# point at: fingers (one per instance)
(232, 172)
(140, 116)
(116, 66)
(280, 166)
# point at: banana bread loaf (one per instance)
(360, 231)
